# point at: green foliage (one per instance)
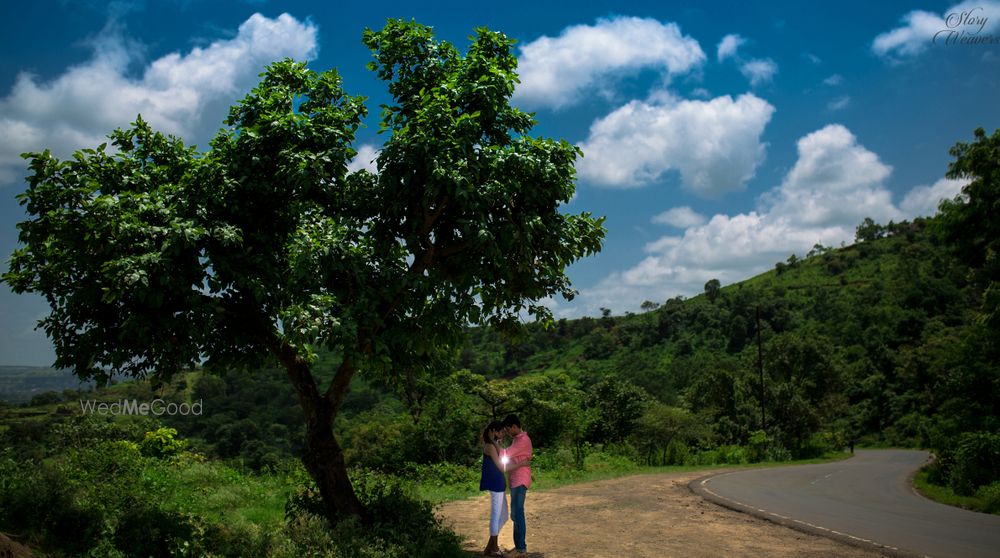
(616, 407)
(970, 223)
(662, 433)
(985, 499)
(161, 443)
(712, 288)
(757, 446)
(971, 462)
(989, 494)
(92, 499)
(884, 352)
(252, 418)
(402, 524)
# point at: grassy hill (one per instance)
(859, 339)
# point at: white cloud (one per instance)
(729, 46)
(715, 145)
(680, 217)
(839, 103)
(555, 72)
(922, 29)
(835, 183)
(663, 243)
(182, 94)
(759, 71)
(835, 79)
(365, 159)
(923, 201)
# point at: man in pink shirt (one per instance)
(518, 457)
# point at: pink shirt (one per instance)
(518, 452)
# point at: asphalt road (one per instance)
(866, 499)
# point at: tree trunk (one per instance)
(324, 459)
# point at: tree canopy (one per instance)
(970, 221)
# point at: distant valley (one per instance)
(18, 384)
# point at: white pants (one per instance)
(499, 513)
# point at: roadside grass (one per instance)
(987, 500)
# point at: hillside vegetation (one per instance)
(873, 342)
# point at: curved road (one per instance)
(866, 500)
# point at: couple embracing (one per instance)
(502, 467)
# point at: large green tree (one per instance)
(155, 257)
(971, 221)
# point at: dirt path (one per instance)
(652, 516)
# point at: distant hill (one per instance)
(18, 384)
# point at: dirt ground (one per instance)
(11, 549)
(653, 516)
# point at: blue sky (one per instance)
(718, 138)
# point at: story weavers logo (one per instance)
(967, 27)
(156, 407)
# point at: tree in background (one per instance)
(969, 416)
(155, 257)
(712, 289)
(971, 221)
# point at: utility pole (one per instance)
(760, 369)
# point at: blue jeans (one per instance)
(517, 494)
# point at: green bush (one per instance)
(443, 474)
(232, 540)
(604, 461)
(778, 452)
(816, 445)
(307, 536)
(161, 443)
(757, 449)
(974, 462)
(677, 453)
(990, 497)
(553, 459)
(402, 525)
(90, 498)
(703, 457)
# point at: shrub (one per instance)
(553, 459)
(308, 536)
(732, 455)
(778, 452)
(757, 449)
(816, 445)
(402, 525)
(990, 497)
(161, 443)
(677, 453)
(443, 474)
(975, 462)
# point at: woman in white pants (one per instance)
(493, 480)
